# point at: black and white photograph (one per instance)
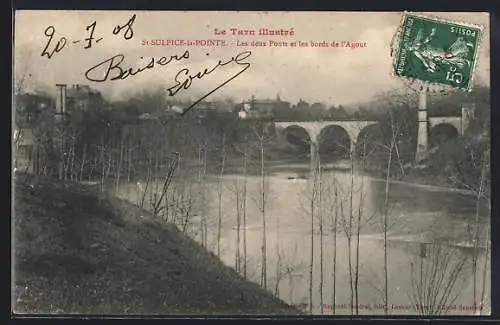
(250, 163)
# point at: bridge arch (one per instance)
(453, 121)
(334, 141)
(298, 136)
(353, 128)
(297, 128)
(368, 142)
(442, 132)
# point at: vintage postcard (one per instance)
(251, 163)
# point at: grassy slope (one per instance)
(75, 252)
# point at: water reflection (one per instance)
(417, 215)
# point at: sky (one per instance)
(328, 75)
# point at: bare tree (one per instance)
(261, 134)
(334, 244)
(288, 269)
(202, 171)
(102, 162)
(485, 267)
(348, 226)
(262, 207)
(479, 188)
(341, 204)
(120, 163)
(219, 189)
(129, 159)
(279, 273)
(61, 135)
(184, 210)
(278, 256)
(390, 147)
(68, 152)
(434, 278)
(309, 209)
(238, 226)
(321, 235)
(156, 205)
(244, 209)
(146, 187)
(312, 207)
(479, 193)
(237, 191)
(359, 223)
(243, 149)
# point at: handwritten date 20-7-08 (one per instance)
(52, 46)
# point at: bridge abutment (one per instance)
(425, 124)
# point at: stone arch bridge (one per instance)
(313, 129)
(354, 128)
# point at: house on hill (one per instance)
(261, 108)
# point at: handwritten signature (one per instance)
(111, 70)
(184, 79)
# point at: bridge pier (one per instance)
(422, 143)
(313, 135)
(352, 148)
(468, 112)
(314, 158)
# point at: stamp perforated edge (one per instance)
(418, 83)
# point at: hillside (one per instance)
(77, 252)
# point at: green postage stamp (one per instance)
(436, 51)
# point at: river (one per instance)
(417, 216)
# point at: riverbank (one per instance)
(413, 177)
(419, 176)
(300, 169)
(76, 251)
